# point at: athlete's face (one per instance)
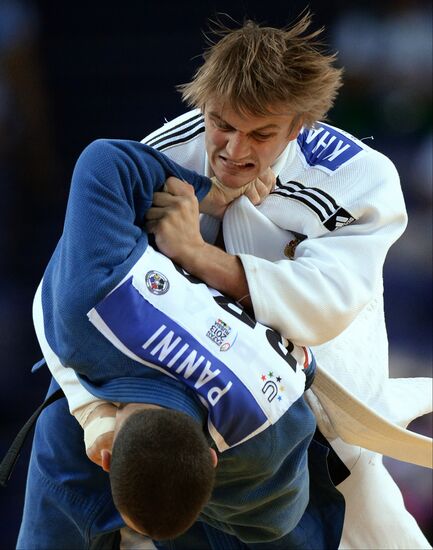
(241, 147)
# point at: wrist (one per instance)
(210, 206)
(98, 409)
(96, 428)
(218, 199)
(193, 259)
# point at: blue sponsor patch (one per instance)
(326, 147)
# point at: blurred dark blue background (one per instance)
(71, 72)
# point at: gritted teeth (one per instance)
(238, 164)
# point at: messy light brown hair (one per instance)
(259, 70)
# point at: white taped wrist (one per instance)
(83, 413)
(98, 427)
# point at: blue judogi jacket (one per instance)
(262, 493)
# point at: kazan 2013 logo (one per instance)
(156, 282)
(219, 333)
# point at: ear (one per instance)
(105, 459)
(296, 127)
(214, 457)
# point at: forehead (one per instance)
(279, 118)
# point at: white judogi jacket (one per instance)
(313, 254)
(336, 210)
(345, 198)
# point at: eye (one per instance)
(262, 137)
(222, 126)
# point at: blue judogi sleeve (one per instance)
(112, 188)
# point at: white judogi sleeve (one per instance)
(335, 274)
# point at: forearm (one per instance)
(218, 270)
(174, 219)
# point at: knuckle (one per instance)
(189, 189)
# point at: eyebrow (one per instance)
(267, 127)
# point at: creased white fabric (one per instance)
(363, 406)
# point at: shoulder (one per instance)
(330, 149)
(334, 180)
(334, 160)
(182, 129)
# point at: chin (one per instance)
(234, 181)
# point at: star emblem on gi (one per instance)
(272, 387)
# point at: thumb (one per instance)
(268, 178)
(177, 187)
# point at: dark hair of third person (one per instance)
(161, 473)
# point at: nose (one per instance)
(237, 146)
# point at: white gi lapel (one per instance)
(248, 231)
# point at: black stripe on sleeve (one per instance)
(183, 139)
(301, 186)
(180, 128)
(304, 200)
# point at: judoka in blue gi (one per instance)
(137, 329)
